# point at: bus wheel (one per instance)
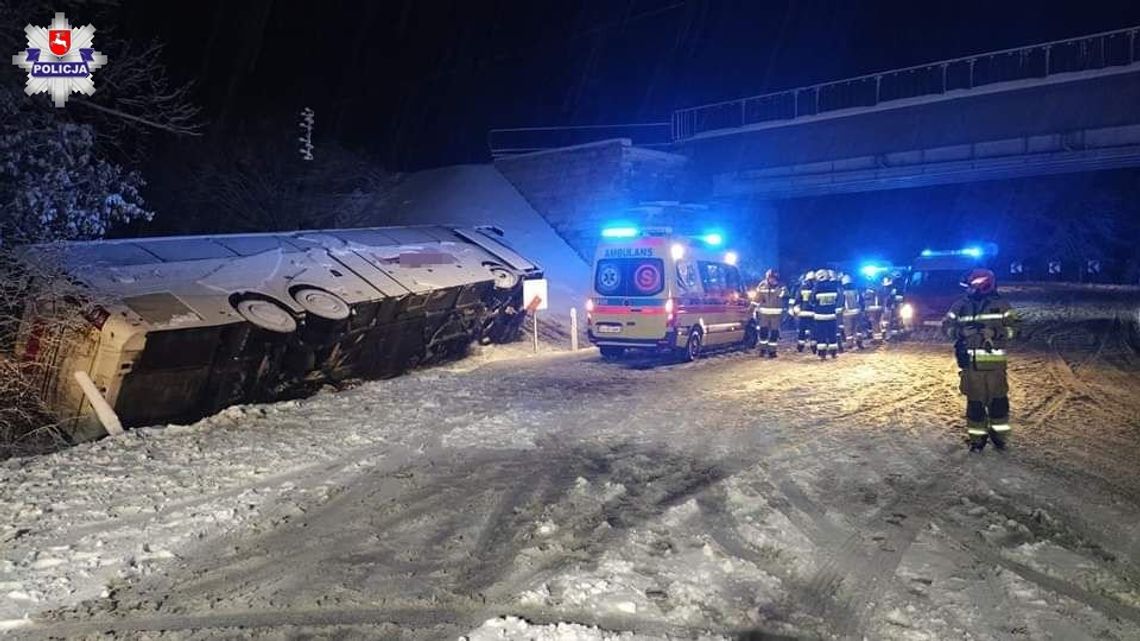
(751, 337)
(612, 353)
(693, 346)
(318, 302)
(267, 315)
(504, 278)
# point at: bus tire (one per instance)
(693, 346)
(266, 314)
(612, 353)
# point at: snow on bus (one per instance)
(178, 328)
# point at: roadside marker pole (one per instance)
(536, 331)
(107, 417)
(573, 329)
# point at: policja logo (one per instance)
(60, 60)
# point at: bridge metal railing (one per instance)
(524, 140)
(1086, 53)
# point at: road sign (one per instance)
(1016, 268)
(536, 289)
(1054, 267)
(1094, 266)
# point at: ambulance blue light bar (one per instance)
(871, 270)
(619, 232)
(972, 252)
(713, 239)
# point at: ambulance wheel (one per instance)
(693, 346)
(612, 353)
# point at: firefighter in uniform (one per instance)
(825, 301)
(852, 304)
(770, 297)
(802, 310)
(873, 313)
(891, 298)
(981, 324)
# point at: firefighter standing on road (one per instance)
(825, 301)
(874, 307)
(802, 310)
(981, 324)
(852, 304)
(892, 298)
(770, 297)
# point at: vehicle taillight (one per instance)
(589, 311)
(669, 315)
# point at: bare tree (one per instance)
(262, 185)
(43, 314)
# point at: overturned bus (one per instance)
(178, 328)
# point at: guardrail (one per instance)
(524, 140)
(1086, 53)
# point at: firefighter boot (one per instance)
(999, 422)
(977, 431)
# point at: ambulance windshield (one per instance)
(937, 280)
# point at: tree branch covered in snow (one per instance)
(71, 173)
(55, 186)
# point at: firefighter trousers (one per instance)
(853, 330)
(769, 333)
(804, 323)
(826, 334)
(875, 324)
(987, 404)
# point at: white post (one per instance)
(536, 331)
(573, 329)
(103, 411)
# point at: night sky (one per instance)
(417, 83)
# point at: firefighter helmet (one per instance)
(821, 274)
(845, 279)
(888, 281)
(809, 275)
(980, 281)
(772, 276)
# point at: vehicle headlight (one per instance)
(906, 312)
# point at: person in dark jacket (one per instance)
(825, 303)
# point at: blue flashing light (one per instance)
(871, 270)
(713, 239)
(972, 252)
(619, 232)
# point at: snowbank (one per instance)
(479, 195)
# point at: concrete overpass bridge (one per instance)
(1058, 107)
(1065, 106)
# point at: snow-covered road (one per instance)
(562, 497)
